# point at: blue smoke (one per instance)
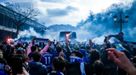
(103, 23)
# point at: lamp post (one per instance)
(120, 19)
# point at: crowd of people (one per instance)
(55, 58)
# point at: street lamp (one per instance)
(120, 19)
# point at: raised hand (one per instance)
(121, 60)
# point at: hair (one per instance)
(94, 55)
(59, 49)
(59, 64)
(33, 48)
(98, 67)
(36, 56)
(78, 54)
(20, 52)
(17, 64)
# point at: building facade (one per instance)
(8, 27)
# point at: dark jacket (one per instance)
(37, 68)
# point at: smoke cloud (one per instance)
(97, 26)
(102, 24)
(28, 34)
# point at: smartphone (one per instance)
(117, 44)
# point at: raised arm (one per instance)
(44, 50)
(122, 61)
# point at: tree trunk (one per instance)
(18, 28)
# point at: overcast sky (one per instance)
(67, 11)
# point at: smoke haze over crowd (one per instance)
(99, 23)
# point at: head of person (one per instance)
(59, 49)
(20, 51)
(94, 55)
(90, 42)
(19, 45)
(59, 64)
(33, 48)
(17, 64)
(77, 54)
(36, 56)
(98, 67)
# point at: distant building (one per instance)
(8, 27)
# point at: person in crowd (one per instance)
(67, 58)
(59, 66)
(76, 64)
(91, 44)
(17, 65)
(33, 50)
(36, 67)
(20, 51)
(47, 58)
(4, 67)
(95, 65)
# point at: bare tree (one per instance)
(21, 14)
